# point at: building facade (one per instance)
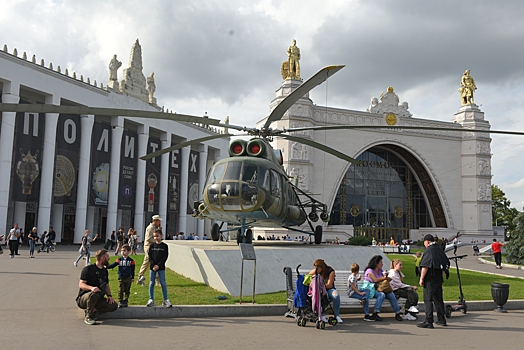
(410, 182)
(77, 172)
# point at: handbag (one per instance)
(370, 286)
(384, 287)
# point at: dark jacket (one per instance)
(126, 267)
(158, 255)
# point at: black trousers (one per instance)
(433, 295)
(498, 258)
(13, 246)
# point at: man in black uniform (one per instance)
(433, 265)
(94, 288)
(51, 236)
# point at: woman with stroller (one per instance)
(375, 274)
(42, 242)
(328, 276)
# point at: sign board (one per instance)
(247, 251)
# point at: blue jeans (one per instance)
(87, 252)
(333, 295)
(363, 297)
(162, 280)
(380, 299)
(31, 247)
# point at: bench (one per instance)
(347, 304)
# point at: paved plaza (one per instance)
(38, 311)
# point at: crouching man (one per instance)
(94, 294)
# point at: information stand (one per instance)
(247, 252)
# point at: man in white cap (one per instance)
(148, 240)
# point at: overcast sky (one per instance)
(224, 56)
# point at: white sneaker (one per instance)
(339, 320)
(413, 309)
(409, 317)
(167, 303)
(324, 318)
(141, 280)
(150, 303)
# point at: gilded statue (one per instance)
(113, 68)
(291, 68)
(467, 87)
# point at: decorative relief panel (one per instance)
(483, 147)
(484, 190)
(484, 167)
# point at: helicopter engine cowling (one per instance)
(256, 148)
(237, 148)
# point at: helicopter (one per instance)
(250, 188)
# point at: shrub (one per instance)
(360, 240)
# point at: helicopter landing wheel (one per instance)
(318, 234)
(249, 236)
(215, 232)
(448, 311)
(239, 236)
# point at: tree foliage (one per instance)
(502, 213)
(515, 246)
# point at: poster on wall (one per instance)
(100, 164)
(67, 159)
(128, 163)
(173, 190)
(193, 193)
(27, 160)
(153, 167)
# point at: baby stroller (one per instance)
(476, 251)
(311, 302)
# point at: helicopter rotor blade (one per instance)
(400, 128)
(182, 145)
(113, 112)
(321, 147)
(317, 79)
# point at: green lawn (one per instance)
(184, 291)
(475, 286)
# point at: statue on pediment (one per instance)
(467, 87)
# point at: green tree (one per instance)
(502, 213)
(515, 246)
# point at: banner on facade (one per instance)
(27, 160)
(153, 167)
(100, 164)
(67, 159)
(193, 193)
(128, 163)
(173, 193)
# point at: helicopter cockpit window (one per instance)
(249, 196)
(230, 194)
(233, 171)
(264, 178)
(217, 173)
(275, 184)
(249, 173)
(213, 194)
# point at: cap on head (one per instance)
(429, 237)
(156, 217)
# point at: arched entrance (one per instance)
(386, 196)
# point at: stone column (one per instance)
(184, 178)
(7, 135)
(202, 168)
(165, 141)
(476, 172)
(82, 194)
(139, 224)
(48, 167)
(114, 178)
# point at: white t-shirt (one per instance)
(14, 232)
(353, 278)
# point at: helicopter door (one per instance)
(276, 194)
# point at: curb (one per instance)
(506, 265)
(250, 310)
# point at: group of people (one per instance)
(16, 235)
(119, 239)
(94, 295)
(378, 284)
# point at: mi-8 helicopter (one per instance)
(251, 187)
